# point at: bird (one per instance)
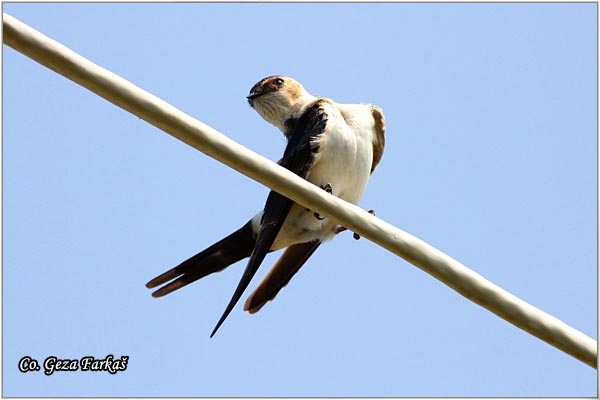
(331, 145)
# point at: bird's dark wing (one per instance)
(298, 157)
(280, 274)
(217, 257)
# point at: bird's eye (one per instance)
(279, 81)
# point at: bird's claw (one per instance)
(339, 229)
(356, 236)
(329, 189)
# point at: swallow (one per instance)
(335, 147)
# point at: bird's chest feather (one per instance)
(343, 161)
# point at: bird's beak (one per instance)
(254, 93)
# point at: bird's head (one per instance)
(277, 98)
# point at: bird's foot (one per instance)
(328, 189)
(356, 236)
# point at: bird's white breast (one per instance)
(344, 161)
(345, 152)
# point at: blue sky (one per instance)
(491, 156)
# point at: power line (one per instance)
(216, 145)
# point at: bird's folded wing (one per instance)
(299, 157)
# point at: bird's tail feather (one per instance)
(279, 276)
(217, 257)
